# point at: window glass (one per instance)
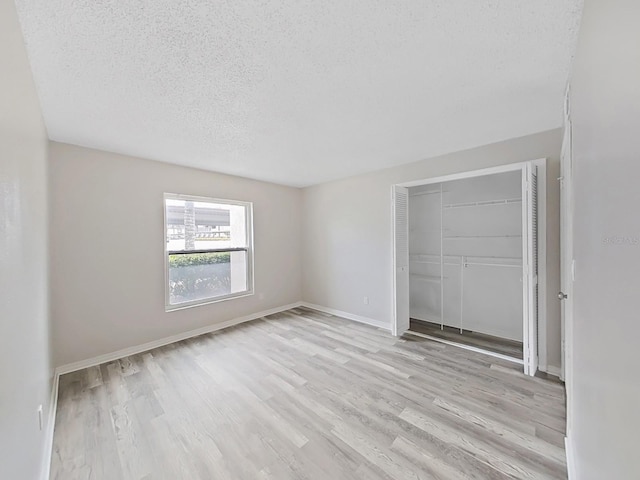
(208, 248)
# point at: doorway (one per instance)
(466, 265)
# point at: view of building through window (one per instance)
(208, 249)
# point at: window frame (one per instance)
(248, 249)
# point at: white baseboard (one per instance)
(571, 466)
(553, 370)
(347, 315)
(550, 369)
(125, 352)
(51, 423)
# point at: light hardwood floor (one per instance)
(304, 395)
(486, 342)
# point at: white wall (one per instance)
(107, 250)
(606, 155)
(347, 230)
(25, 367)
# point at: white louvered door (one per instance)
(401, 259)
(530, 276)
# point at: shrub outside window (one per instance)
(208, 250)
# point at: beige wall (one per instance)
(25, 367)
(605, 104)
(347, 241)
(329, 244)
(107, 235)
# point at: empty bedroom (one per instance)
(361, 240)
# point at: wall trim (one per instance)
(552, 370)
(47, 453)
(347, 315)
(571, 467)
(125, 352)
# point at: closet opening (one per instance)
(467, 261)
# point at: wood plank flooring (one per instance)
(474, 339)
(304, 395)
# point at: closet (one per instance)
(471, 260)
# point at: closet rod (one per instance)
(460, 256)
(492, 265)
(434, 263)
(481, 236)
(418, 194)
(486, 203)
(468, 263)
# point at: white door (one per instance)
(401, 259)
(530, 268)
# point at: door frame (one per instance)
(567, 263)
(524, 167)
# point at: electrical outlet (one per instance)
(366, 300)
(40, 424)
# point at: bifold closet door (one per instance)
(486, 266)
(401, 259)
(530, 267)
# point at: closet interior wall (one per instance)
(465, 254)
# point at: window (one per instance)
(208, 250)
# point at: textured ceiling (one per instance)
(298, 92)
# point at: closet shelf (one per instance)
(433, 192)
(482, 236)
(421, 257)
(477, 264)
(486, 203)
